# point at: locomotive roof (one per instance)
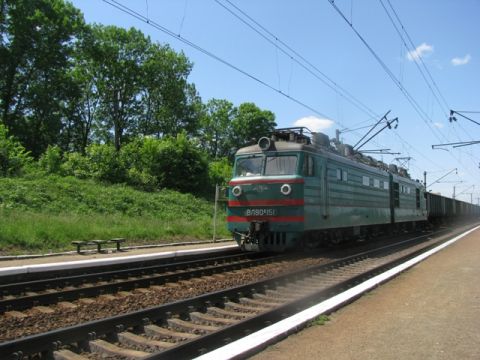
(286, 146)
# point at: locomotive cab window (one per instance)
(251, 166)
(270, 165)
(281, 165)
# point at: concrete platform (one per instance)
(64, 261)
(431, 311)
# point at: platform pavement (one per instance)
(431, 311)
(111, 256)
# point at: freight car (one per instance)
(293, 190)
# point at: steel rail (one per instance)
(51, 341)
(97, 268)
(124, 280)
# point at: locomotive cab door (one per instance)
(394, 198)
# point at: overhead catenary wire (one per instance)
(293, 54)
(419, 57)
(416, 59)
(179, 37)
(425, 118)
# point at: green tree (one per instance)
(83, 105)
(249, 124)
(216, 129)
(170, 103)
(118, 56)
(37, 40)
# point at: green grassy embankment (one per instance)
(46, 214)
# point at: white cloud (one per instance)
(422, 50)
(461, 61)
(438, 125)
(315, 124)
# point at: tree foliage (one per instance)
(108, 103)
(37, 42)
(251, 123)
(13, 156)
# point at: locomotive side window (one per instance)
(251, 166)
(342, 175)
(366, 180)
(417, 198)
(376, 183)
(385, 185)
(281, 165)
(308, 166)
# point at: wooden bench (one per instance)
(119, 242)
(98, 244)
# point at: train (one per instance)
(296, 189)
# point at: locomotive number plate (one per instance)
(260, 212)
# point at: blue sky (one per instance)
(445, 34)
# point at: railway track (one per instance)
(23, 295)
(191, 327)
(80, 268)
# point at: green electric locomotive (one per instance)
(293, 190)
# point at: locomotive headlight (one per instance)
(237, 191)
(286, 189)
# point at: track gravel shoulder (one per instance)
(432, 311)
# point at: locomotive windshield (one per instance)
(281, 165)
(251, 166)
(270, 165)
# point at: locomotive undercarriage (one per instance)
(259, 237)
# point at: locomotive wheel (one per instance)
(309, 242)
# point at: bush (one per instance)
(172, 163)
(220, 172)
(51, 160)
(105, 163)
(13, 156)
(181, 166)
(75, 164)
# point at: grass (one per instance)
(47, 213)
(319, 320)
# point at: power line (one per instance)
(273, 39)
(404, 91)
(159, 27)
(292, 54)
(179, 37)
(417, 58)
(421, 59)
